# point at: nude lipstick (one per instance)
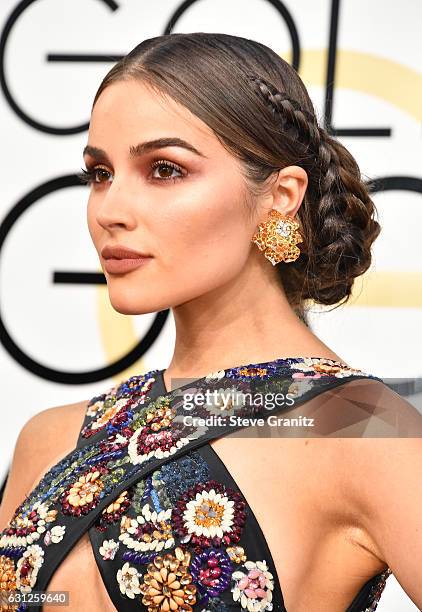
(119, 259)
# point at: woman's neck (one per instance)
(250, 321)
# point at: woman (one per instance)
(213, 191)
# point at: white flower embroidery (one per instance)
(128, 579)
(323, 366)
(306, 364)
(108, 549)
(209, 514)
(54, 535)
(120, 439)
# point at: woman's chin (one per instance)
(128, 303)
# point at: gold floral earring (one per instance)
(277, 238)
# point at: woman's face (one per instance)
(181, 204)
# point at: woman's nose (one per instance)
(115, 211)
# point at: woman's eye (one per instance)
(163, 170)
(101, 175)
(95, 175)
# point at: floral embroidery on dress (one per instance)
(206, 516)
(253, 586)
(218, 375)
(176, 521)
(148, 531)
(128, 580)
(84, 494)
(317, 367)
(155, 438)
(114, 511)
(7, 581)
(115, 409)
(236, 553)
(24, 529)
(108, 549)
(209, 514)
(27, 567)
(246, 373)
(95, 405)
(54, 535)
(167, 583)
(211, 572)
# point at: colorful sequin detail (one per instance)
(188, 525)
(253, 586)
(209, 514)
(115, 409)
(176, 533)
(159, 437)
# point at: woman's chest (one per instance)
(79, 575)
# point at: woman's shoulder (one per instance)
(358, 406)
(53, 431)
(43, 440)
(63, 418)
(378, 409)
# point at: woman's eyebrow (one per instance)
(160, 143)
(144, 147)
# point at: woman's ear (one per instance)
(289, 190)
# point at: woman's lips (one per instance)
(120, 266)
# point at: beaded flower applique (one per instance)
(123, 434)
(182, 549)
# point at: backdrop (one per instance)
(60, 341)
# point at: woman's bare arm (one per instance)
(383, 480)
(43, 441)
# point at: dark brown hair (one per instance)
(260, 110)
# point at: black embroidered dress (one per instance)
(169, 527)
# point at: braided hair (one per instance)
(259, 108)
(338, 210)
